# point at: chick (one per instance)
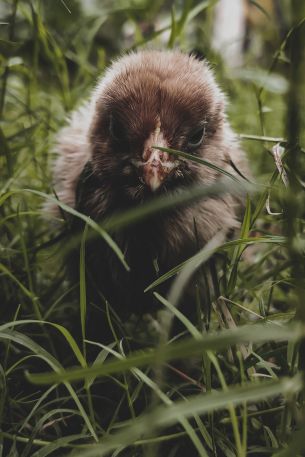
(107, 163)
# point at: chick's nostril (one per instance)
(155, 163)
(152, 156)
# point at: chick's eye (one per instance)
(196, 138)
(116, 129)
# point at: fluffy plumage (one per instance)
(106, 163)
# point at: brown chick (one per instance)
(107, 164)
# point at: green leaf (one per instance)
(8, 47)
(163, 397)
(59, 444)
(164, 416)
(296, 446)
(196, 159)
(66, 334)
(190, 267)
(249, 333)
(82, 284)
(202, 255)
(177, 198)
(75, 213)
(188, 324)
(244, 232)
(25, 341)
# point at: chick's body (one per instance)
(107, 164)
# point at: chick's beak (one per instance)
(156, 164)
(156, 169)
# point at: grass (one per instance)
(64, 393)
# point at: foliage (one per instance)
(242, 390)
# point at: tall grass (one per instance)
(242, 390)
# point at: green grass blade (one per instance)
(59, 444)
(75, 213)
(197, 258)
(192, 266)
(244, 232)
(66, 334)
(173, 200)
(196, 159)
(52, 362)
(175, 311)
(200, 404)
(164, 398)
(249, 333)
(82, 287)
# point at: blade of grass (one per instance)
(52, 362)
(197, 257)
(199, 160)
(164, 398)
(190, 267)
(199, 404)
(173, 200)
(249, 333)
(66, 334)
(270, 139)
(82, 287)
(244, 233)
(75, 213)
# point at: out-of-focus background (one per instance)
(58, 49)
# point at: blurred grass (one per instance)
(52, 51)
